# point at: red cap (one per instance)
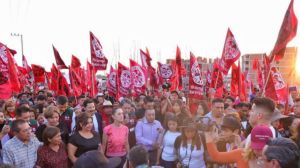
(260, 136)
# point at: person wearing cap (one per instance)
(100, 98)
(275, 120)
(229, 138)
(189, 146)
(106, 112)
(250, 156)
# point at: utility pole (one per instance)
(21, 38)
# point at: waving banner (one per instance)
(112, 82)
(138, 77)
(59, 61)
(75, 81)
(279, 85)
(38, 73)
(196, 84)
(288, 31)
(124, 81)
(230, 54)
(98, 58)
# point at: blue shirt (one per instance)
(19, 154)
(147, 133)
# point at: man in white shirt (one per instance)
(261, 114)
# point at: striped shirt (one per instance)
(21, 155)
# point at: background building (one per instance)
(286, 65)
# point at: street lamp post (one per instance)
(21, 38)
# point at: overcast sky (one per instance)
(126, 25)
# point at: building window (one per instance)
(247, 62)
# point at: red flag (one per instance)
(98, 58)
(217, 80)
(138, 76)
(174, 80)
(230, 54)
(59, 62)
(9, 81)
(84, 81)
(178, 63)
(13, 73)
(25, 64)
(196, 84)
(146, 59)
(75, 62)
(279, 85)
(75, 81)
(208, 80)
(38, 73)
(146, 62)
(93, 90)
(242, 88)
(288, 31)
(234, 85)
(54, 78)
(63, 86)
(165, 72)
(112, 82)
(49, 79)
(124, 81)
(23, 76)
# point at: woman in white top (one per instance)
(166, 153)
(189, 147)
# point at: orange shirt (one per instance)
(234, 156)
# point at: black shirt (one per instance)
(63, 130)
(83, 145)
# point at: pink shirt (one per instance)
(116, 140)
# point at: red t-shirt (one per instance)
(116, 140)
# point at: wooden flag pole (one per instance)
(92, 79)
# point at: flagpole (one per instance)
(92, 79)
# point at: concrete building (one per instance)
(286, 65)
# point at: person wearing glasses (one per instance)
(21, 150)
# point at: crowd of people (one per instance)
(46, 131)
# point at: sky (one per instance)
(125, 26)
